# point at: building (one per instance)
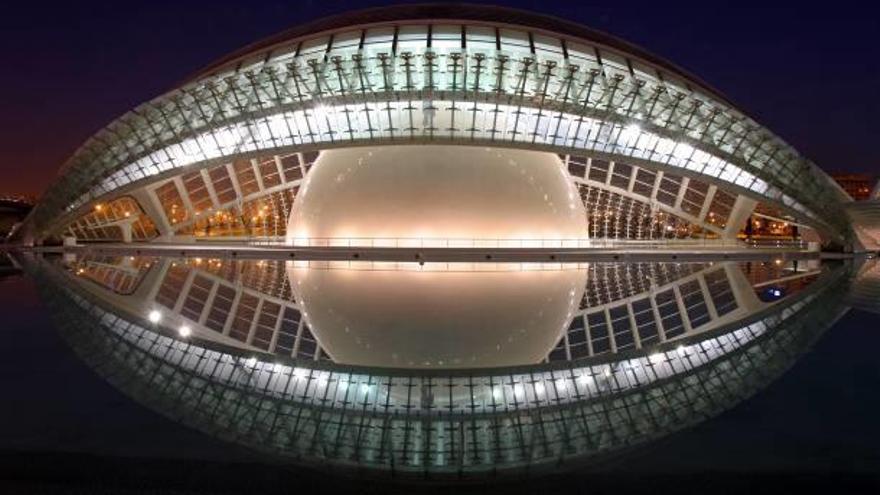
(858, 186)
(414, 148)
(652, 151)
(13, 209)
(603, 390)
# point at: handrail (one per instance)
(432, 242)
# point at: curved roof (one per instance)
(613, 99)
(363, 418)
(453, 12)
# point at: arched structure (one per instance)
(445, 423)
(652, 136)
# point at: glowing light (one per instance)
(630, 133)
(496, 393)
(154, 316)
(184, 331)
(683, 151)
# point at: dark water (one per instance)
(63, 425)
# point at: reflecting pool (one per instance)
(443, 370)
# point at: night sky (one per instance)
(809, 71)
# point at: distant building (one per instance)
(13, 209)
(858, 186)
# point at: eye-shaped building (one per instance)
(343, 202)
(441, 126)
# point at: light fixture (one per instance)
(154, 316)
(539, 388)
(496, 393)
(184, 331)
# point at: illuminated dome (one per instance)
(437, 192)
(447, 319)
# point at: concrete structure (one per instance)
(653, 152)
(858, 186)
(654, 348)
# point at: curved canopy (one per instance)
(512, 80)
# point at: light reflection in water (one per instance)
(461, 316)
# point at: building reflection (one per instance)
(649, 348)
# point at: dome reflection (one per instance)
(457, 317)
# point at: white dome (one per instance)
(437, 192)
(456, 318)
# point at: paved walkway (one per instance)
(518, 255)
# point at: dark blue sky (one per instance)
(810, 70)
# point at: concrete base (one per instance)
(514, 255)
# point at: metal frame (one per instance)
(396, 85)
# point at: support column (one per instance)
(682, 309)
(632, 179)
(233, 310)
(661, 329)
(710, 303)
(610, 328)
(152, 281)
(742, 210)
(658, 177)
(150, 203)
(632, 323)
(125, 227)
(209, 186)
(209, 302)
(184, 291)
(682, 189)
(184, 196)
(707, 202)
(255, 165)
(277, 329)
(742, 289)
(280, 168)
(255, 321)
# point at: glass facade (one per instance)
(460, 84)
(450, 423)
